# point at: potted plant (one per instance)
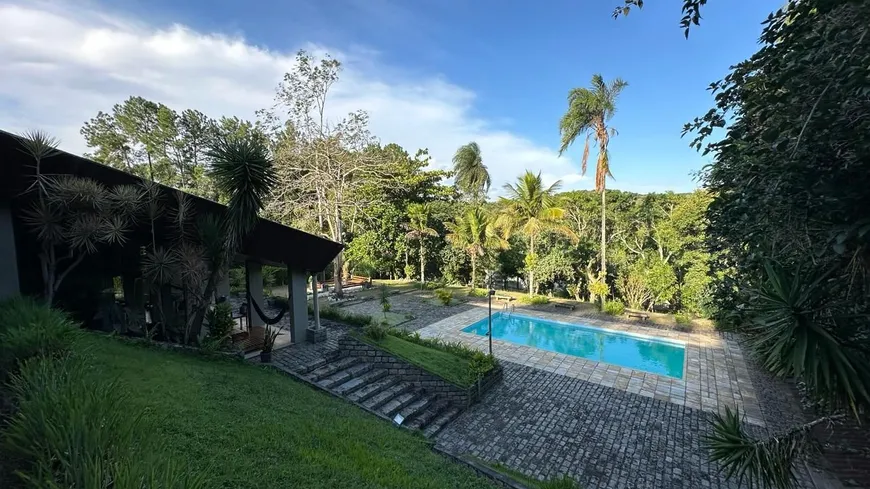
(269, 337)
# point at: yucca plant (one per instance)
(797, 331)
(72, 216)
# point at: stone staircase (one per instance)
(381, 393)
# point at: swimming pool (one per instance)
(654, 355)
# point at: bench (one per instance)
(505, 298)
(639, 315)
(564, 306)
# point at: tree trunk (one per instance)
(531, 270)
(422, 263)
(603, 241)
(339, 259)
(473, 271)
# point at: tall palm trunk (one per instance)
(473, 270)
(603, 240)
(422, 263)
(531, 269)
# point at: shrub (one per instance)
(477, 293)
(336, 314)
(71, 430)
(614, 308)
(684, 323)
(444, 295)
(535, 300)
(376, 332)
(220, 324)
(435, 284)
(29, 329)
(279, 302)
(480, 363)
(385, 300)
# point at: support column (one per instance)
(255, 288)
(8, 258)
(314, 303)
(298, 299)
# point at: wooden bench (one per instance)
(505, 298)
(639, 315)
(564, 306)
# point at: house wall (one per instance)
(9, 285)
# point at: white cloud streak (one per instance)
(60, 65)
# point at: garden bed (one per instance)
(437, 371)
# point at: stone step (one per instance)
(343, 376)
(326, 358)
(399, 402)
(416, 408)
(423, 419)
(366, 392)
(440, 422)
(375, 402)
(359, 382)
(332, 367)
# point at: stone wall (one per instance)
(459, 396)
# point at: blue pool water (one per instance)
(652, 355)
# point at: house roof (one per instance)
(269, 242)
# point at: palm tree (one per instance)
(418, 229)
(530, 209)
(589, 110)
(241, 167)
(472, 177)
(474, 232)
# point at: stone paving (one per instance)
(420, 304)
(715, 374)
(547, 425)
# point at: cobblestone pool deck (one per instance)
(715, 376)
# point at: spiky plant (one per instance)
(71, 216)
(797, 331)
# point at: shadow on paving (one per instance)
(546, 425)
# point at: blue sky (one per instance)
(504, 67)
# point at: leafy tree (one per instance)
(419, 230)
(589, 110)
(529, 209)
(789, 224)
(472, 177)
(474, 232)
(691, 12)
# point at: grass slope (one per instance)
(450, 367)
(248, 427)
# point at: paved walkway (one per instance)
(715, 374)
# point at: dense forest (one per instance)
(400, 218)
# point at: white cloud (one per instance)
(61, 65)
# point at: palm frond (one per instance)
(242, 169)
(765, 462)
(190, 261)
(793, 334)
(76, 192)
(85, 231)
(46, 221)
(115, 229)
(39, 144)
(159, 265)
(181, 215)
(125, 200)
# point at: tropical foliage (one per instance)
(789, 222)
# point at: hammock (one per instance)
(259, 311)
(266, 319)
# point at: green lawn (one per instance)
(248, 427)
(450, 367)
